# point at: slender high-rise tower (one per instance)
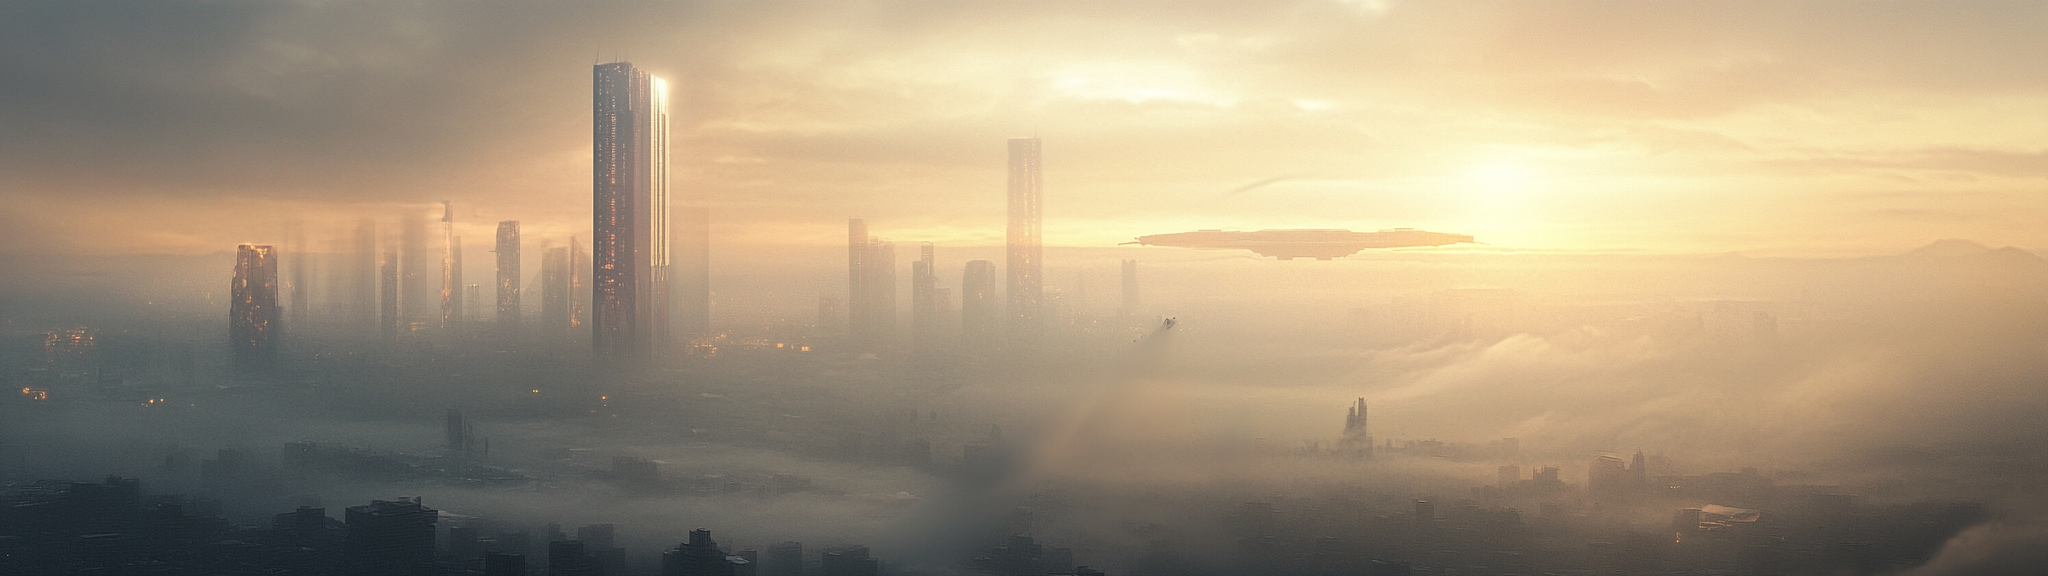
(871, 288)
(629, 299)
(508, 273)
(451, 270)
(580, 275)
(692, 279)
(978, 310)
(254, 320)
(1024, 260)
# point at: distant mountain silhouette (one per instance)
(1950, 248)
(1957, 248)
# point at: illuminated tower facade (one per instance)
(508, 273)
(580, 275)
(1024, 265)
(451, 270)
(254, 319)
(630, 253)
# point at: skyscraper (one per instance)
(1024, 259)
(629, 196)
(924, 301)
(579, 287)
(254, 320)
(1357, 436)
(871, 288)
(451, 270)
(978, 302)
(508, 273)
(1130, 303)
(391, 538)
(1606, 479)
(692, 280)
(554, 291)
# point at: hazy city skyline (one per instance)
(1583, 120)
(1378, 288)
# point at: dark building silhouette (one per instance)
(389, 538)
(978, 310)
(568, 558)
(871, 288)
(630, 250)
(851, 560)
(925, 305)
(1020, 556)
(254, 321)
(387, 295)
(784, 559)
(699, 556)
(496, 564)
(1638, 479)
(600, 543)
(1025, 254)
(1357, 436)
(1606, 479)
(1130, 286)
(460, 434)
(508, 272)
(692, 280)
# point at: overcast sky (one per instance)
(1827, 128)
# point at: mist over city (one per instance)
(1373, 288)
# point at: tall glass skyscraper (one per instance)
(254, 320)
(508, 273)
(1024, 260)
(630, 247)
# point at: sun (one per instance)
(1499, 181)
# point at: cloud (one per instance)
(1994, 549)
(899, 108)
